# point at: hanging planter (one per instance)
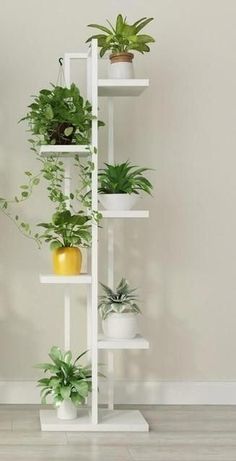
(121, 184)
(60, 116)
(120, 39)
(118, 309)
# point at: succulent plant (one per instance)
(120, 300)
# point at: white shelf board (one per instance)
(136, 343)
(125, 213)
(122, 87)
(64, 150)
(109, 421)
(83, 279)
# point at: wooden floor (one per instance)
(178, 433)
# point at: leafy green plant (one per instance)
(120, 300)
(123, 178)
(60, 116)
(122, 37)
(67, 230)
(68, 379)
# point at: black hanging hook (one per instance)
(60, 61)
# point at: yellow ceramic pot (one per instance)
(67, 261)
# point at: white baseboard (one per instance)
(137, 392)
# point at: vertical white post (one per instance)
(110, 130)
(89, 297)
(66, 320)
(110, 376)
(110, 248)
(66, 292)
(94, 94)
(66, 62)
(110, 255)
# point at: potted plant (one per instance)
(61, 116)
(65, 233)
(69, 382)
(121, 184)
(118, 309)
(120, 39)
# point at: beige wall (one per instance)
(183, 258)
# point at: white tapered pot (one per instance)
(67, 410)
(118, 201)
(120, 326)
(121, 66)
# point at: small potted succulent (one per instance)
(118, 309)
(60, 116)
(66, 233)
(121, 39)
(69, 382)
(119, 185)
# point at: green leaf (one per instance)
(68, 131)
(65, 392)
(55, 353)
(143, 24)
(77, 399)
(119, 24)
(55, 244)
(68, 357)
(82, 388)
(103, 28)
(48, 113)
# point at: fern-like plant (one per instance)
(123, 178)
(120, 300)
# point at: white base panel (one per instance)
(137, 392)
(109, 421)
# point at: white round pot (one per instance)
(121, 70)
(121, 65)
(67, 410)
(120, 326)
(118, 201)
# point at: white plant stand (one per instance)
(93, 418)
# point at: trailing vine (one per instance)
(56, 116)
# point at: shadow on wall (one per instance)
(16, 335)
(171, 350)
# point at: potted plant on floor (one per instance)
(60, 116)
(119, 185)
(118, 309)
(69, 383)
(120, 39)
(66, 233)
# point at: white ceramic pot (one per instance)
(67, 410)
(121, 70)
(120, 326)
(118, 201)
(121, 65)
